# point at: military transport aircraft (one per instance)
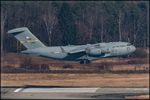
(82, 53)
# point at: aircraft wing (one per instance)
(74, 51)
(82, 50)
(77, 51)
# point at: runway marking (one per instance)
(18, 90)
(58, 90)
(78, 90)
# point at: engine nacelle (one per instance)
(94, 52)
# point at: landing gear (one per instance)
(85, 61)
(126, 56)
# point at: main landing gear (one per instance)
(126, 56)
(85, 61)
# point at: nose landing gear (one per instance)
(85, 61)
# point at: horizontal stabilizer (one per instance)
(26, 38)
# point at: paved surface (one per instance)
(48, 92)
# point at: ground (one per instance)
(99, 80)
(138, 78)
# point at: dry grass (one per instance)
(64, 79)
(100, 80)
(14, 60)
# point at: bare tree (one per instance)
(102, 28)
(136, 29)
(119, 22)
(91, 17)
(91, 23)
(50, 20)
(3, 20)
(147, 23)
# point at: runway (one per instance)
(57, 92)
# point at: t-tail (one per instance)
(26, 38)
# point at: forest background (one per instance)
(76, 22)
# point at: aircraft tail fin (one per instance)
(26, 38)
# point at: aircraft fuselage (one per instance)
(80, 52)
(71, 52)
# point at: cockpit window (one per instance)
(97, 45)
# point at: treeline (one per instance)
(63, 23)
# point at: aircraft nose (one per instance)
(133, 48)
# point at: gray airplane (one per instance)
(82, 53)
